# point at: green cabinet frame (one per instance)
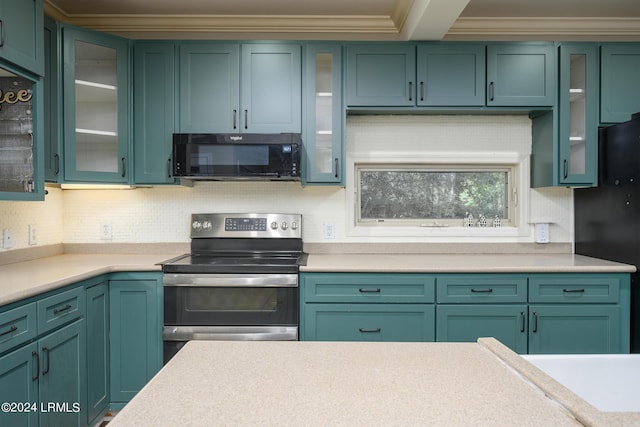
(619, 88)
(70, 35)
(136, 332)
(451, 75)
(22, 34)
(521, 74)
(98, 397)
(154, 111)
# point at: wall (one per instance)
(161, 214)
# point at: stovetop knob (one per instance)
(197, 225)
(207, 225)
(294, 225)
(284, 225)
(274, 225)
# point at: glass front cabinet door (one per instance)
(95, 107)
(21, 147)
(323, 130)
(578, 114)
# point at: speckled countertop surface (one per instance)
(462, 263)
(28, 278)
(25, 279)
(352, 384)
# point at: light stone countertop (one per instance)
(28, 278)
(462, 263)
(267, 383)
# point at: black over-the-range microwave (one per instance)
(216, 156)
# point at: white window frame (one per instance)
(517, 163)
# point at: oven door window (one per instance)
(235, 306)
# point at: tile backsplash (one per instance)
(161, 214)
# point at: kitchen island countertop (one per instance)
(356, 384)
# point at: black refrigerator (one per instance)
(607, 217)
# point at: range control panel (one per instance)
(246, 225)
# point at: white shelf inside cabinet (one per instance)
(95, 92)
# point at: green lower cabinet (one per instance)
(468, 322)
(136, 332)
(62, 380)
(369, 322)
(17, 384)
(97, 350)
(570, 329)
(49, 375)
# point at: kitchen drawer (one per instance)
(60, 309)
(17, 326)
(481, 288)
(369, 322)
(582, 289)
(368, 288)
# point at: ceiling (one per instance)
(356, 19)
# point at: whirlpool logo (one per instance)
(235, 138)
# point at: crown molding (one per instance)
(545, 27)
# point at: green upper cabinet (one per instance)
(578, 103)
(154, 111)
(21, 122)
(209, 87)
(451, 75)
(21, 30)
(96, 106)
(323, 122)
(520, 74)
(240, 88)
(619, 88)
(381, 75)
(52, 105)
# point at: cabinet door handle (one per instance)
(57, 161)
(47, 352)
(337, 162)
(482, 291)
(410, 91)
(369, 330)
(169, 168)
(369, 291)
(573, 291)
(535, 322)
(491, 91)
(523, 319)
(565, 168)
(124, 166)
(421, 91)
(2, 33)
(235, 119)
(37, 356)
(13, 328)
(246, 119)
(63, 309)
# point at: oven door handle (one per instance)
(232, 280)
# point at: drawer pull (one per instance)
(522, 321)
(63, 309)
(573, 291)
(369, 330)
(46, 370)
(535, 322)
(482, 291)
(13, 328)
(37, 356)
(369, 291)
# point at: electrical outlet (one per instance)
(542, 232)
(106, 232)
(33, 237)
(7, 238)
(329, 230)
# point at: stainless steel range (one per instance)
(240, 281)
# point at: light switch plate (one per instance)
(7, 238)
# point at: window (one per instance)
(435, 196)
